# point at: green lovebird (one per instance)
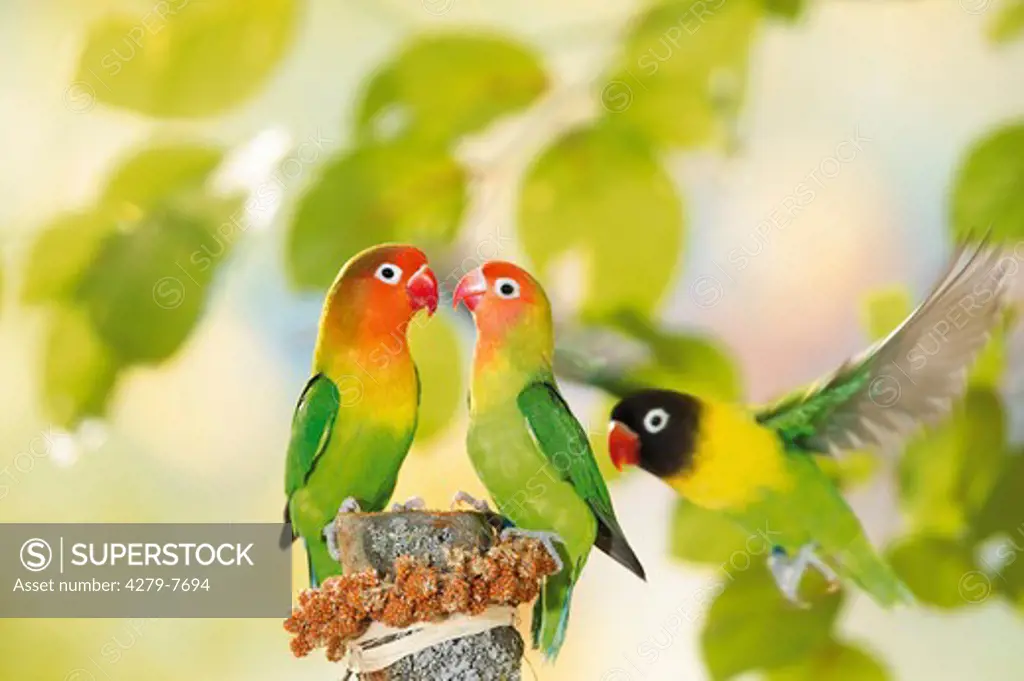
(528, 449)
(757, 466)
(356, 418)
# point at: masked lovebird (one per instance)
(528, 449)
(355, 420)
(759, 468)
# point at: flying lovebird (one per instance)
(528, 449)
(357, 415)
(758, 467)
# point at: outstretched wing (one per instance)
(910, 378)
(564, 442)
(311, 430)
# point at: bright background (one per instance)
(171, 378)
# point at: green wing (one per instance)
(911, 377)
(563, 441)
(311, 430)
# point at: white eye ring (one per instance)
(656, 421)
(389, 274)
(507, 288)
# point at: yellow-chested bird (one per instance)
(356, 418)
(758, 466)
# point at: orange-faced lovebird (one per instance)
(356, 418)
(758, 466)
(528, 449)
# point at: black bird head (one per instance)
(655, 430)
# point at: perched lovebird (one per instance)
(758, 466)
(355, 420)
(529, 450)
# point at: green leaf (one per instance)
(441, 87)
(885, 310)
(62, 252)
(947, 473)
(935, 569)
(785, 9)
(834, 661)
(579, 197)
(987, 190)
(1003, 511)
(79, 369)
(708, 537)
(990, 367)
(1010, 580)
(751, 627)
(681, 77)
(1008, 23)
(435, 346)
(159, 171)
(681, 362)
(184, 58)
(384, 192)
(148, 284)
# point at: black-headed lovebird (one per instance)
(528, 449)
(758, 466)
(356, 418)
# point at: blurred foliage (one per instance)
(682, 73)
(186, 58)
(1008, 23)
(751, 628)
(436, 348)
(442, 87)
(789, 10)
(392, 191)
(833, 661)
(580, 193)
(987, 191)
(126, 280)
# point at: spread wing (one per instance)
(557, 432)
(311, 430)
(910, 378)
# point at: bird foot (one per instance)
(350, 505)
(548, 539)
(411, 504)
(330, 535)
(788, 572)
(465, 498)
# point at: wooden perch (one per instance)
(405, 570)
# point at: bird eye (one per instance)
(656, 421)
(388, 273)
(507, 288)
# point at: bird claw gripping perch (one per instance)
(411, 504)
(548, 539)
(788, 572)
(330, 534)
(465, 498)
(350, 505)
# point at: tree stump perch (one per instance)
(412, 570)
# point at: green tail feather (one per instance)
(551, 614)
(860, 563)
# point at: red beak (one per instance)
(423, 290)
(471, 290)
(623, 445)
